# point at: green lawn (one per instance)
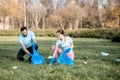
(87, 50)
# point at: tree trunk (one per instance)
(76, 25)
(3, 23)
(7, 23)
(20, 23)
(118, 23)
(43, 21)
(36, 26)
(35, 23)
(81, 23)
(25, 16)
(13, 27)
(70, 25)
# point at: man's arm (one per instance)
(33, 37)
(25, 49)
(35, 41)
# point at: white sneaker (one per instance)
(49, 57)
(118, 60)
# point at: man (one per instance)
(27, 41)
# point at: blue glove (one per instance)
(30, 54)
(34, 45)
(51, 61)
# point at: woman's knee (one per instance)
(71, 55)
(58, 49)
(53, 47)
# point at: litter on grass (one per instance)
(118, 60)
(14, 67)
(104, 54)
(85, 62)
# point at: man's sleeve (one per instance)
(32, 35)
(20, 40)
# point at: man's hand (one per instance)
(30, 54)
(34, 45)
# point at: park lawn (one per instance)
(89, 64)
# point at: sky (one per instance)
(100, 2)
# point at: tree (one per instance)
(9, 10)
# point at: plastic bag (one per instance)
(64, 59)
(37, 58)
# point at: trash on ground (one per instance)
(14, 67)
(85, 62)
(118, 60)
(104, 54)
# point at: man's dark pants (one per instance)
(21, 53)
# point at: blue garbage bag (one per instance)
(64, 59)
(37, 58)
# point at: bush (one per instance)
(45, 32)
(105, 33)
(15, 32)
(116, 36)
(92, 33)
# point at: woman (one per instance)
(64, 42)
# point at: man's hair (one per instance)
(61, 31)
(23, 28)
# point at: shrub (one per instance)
(45, 32)
(116, 37)
(92, 33)
(15, 32)
(105, 33)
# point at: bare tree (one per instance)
(9, 10)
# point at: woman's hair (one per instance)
(23, 28)
(61, 31)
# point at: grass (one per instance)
(86, 50)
